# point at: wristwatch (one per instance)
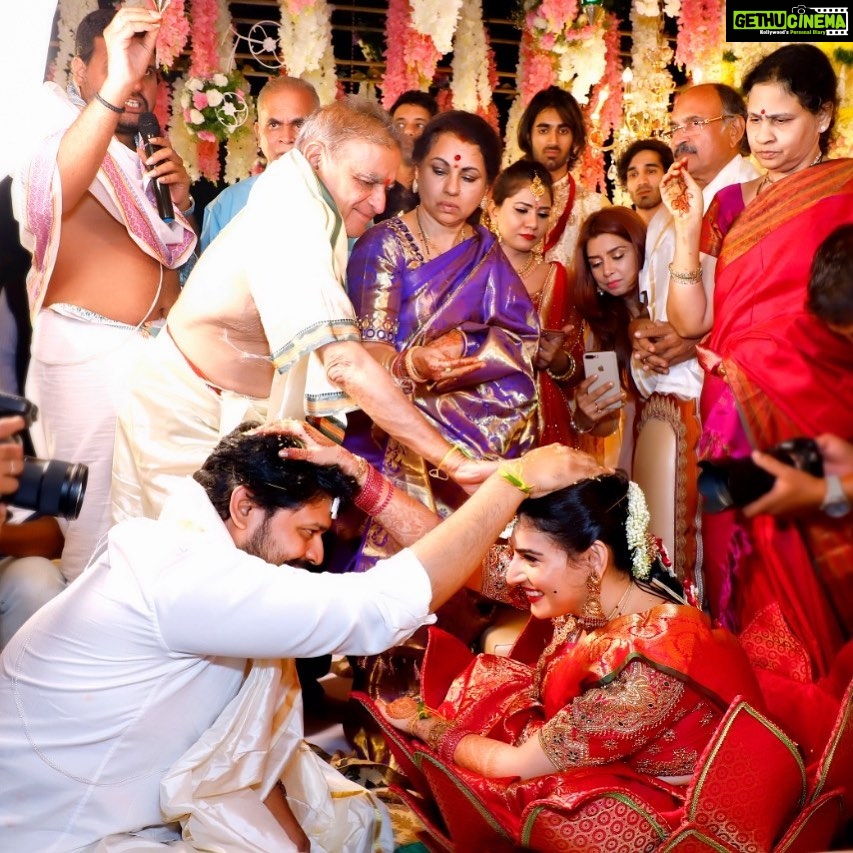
(835, 503)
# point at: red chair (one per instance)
(593, 825)
(749, 785)
(835, 769)
(471, 825)
(815, 827)
(689, 839)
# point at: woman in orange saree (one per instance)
(773, 372)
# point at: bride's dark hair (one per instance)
(590, 510)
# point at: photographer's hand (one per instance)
(794, 492)
(11, 458)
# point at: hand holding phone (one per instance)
(604, 368)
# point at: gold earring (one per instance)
(593, 614)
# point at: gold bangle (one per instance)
(438, 473)
(691, 277)
(567, 374)
(409, 365)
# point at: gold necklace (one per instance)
(617, 610)
(767, 181)
(528, 266)
(425, 239)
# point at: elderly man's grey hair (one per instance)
(352, 118)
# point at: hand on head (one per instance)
(552, 467)
(130, 39)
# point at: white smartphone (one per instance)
(605, 368)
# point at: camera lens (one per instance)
(51, 487)
(726, 483)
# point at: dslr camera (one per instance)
(731, 482)
(48, 486)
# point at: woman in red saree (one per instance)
(519, 210)
(774, 372)
(622, 685)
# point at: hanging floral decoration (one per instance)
(437, 20)
(410, 57)
(212, 105)
(700, 32)
(173, 35)
(603, 112)
(475, 75)
(305, 42)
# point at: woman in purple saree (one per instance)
(442, 307)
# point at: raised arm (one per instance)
(129, 39)
(690, 302)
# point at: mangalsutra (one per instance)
(425, 240)
(617, 610)
(767, 181)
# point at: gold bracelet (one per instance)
(438, 473)
(691, 277)
(567, 374)
(411, 370)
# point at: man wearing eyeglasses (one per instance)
(707, 130)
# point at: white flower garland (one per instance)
(640, 541)
(305, 42)
(512, 151)
(436, 19)
(182, 141)
(470, 84)
(582, 62)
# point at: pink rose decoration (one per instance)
(199, 100)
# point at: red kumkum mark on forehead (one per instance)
(762, 112)
(457, 157)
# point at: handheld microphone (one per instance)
(148, 127)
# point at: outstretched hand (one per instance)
(318, 448)
(555, 466)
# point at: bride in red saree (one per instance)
(615, 681)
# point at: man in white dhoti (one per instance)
(105, 265)
(264, 326)
(114, 696)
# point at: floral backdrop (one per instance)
(574, 44)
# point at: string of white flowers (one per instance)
(512, 150)
(305, 42)
(581, 63)
(436, 19)
(182, 141)
(470, 84)
(71, 12)
(640, 542)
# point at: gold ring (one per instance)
(448, 369)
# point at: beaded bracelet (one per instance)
(691, 277)
(104, 102)
(567, 373)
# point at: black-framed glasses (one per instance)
(691, 126)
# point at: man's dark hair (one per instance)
(470, 128)
(569, 111)
(418, 99)
(830, 290)
(659, 147)
(244, 458)
(90, 28)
